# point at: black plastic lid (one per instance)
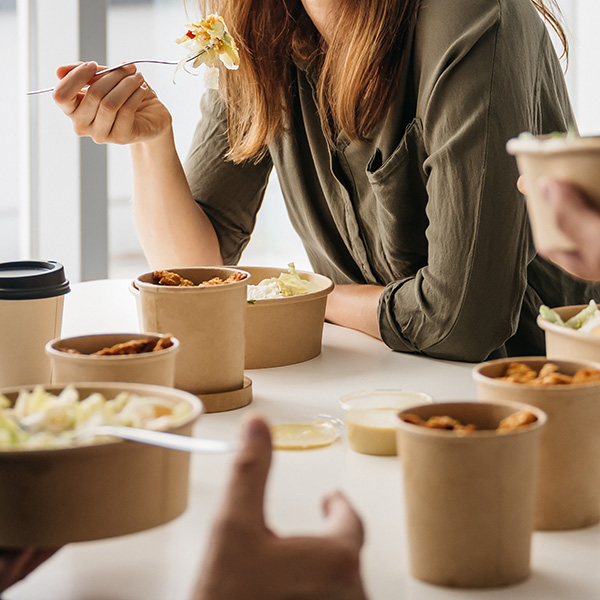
(32, 279)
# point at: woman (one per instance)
(386, 122)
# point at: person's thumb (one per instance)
(246, 489)
(342, 521)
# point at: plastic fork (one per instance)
(130, 62)
(164, 439)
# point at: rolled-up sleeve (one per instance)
(477, 88)
(230, 194)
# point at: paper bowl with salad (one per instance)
(60, 487)
(285, 317)
(572, 332)
(569, 158)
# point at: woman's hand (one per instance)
(17, 564)
(580, 223)
(245, 559)
(118, 107)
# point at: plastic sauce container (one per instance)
(371, 418)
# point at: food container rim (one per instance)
(478, 433)
(51, 349)
(136, 388)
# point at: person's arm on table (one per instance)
(355, 306)
(245, 559)
(580, 223)
(121, 108)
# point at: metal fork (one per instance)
(130, 62)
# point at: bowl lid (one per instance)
(32, 279)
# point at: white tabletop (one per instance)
(160, 564)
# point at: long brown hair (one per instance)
(358, 70)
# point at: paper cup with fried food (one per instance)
(568, 494)
(469, 493)
(565, 157)
(134, 357)
(205, 309)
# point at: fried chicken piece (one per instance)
(438, 422)
(516, 420)
(586, 375)
(170, 278)
(137, 346)
(231, 279)
(518, 373)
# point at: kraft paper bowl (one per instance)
(56, 496)
(571, 159)
(156, 368)
(209, 322)
(568, 493)
(567, 343)
(285, 331)
(469, 498)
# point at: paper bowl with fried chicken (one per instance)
(568, 391)
(469, 472)
(132, 357)
(285, 317)
(205, 308)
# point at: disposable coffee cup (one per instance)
(31, 309)
(469, 497)
(568, 492)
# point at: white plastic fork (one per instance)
(130, 62)
(158, 438)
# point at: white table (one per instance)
(161, 564)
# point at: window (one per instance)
(69, 200)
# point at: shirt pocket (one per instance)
(399, 189)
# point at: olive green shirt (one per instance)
(429, 207)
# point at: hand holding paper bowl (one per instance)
(567, 158)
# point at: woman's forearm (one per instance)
(355, 306)
(172, 228)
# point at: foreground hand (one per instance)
(247, 560)
(17, 564)
(118, 107)
(581, 224)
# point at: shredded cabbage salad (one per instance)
(585, 320)
(208, 42)
(287, 284)
(39, 419)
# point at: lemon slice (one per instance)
(302, 436)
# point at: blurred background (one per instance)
(68, 200)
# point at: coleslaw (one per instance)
(287, 284)
(586, 320)
(39, 419)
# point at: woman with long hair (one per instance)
(386, 122)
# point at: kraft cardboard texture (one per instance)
(568, 494)
(574, 161)
(209, 322)
(469, 498)
(156, 368)
(285, 331)
(26, 327)
(53, 497)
